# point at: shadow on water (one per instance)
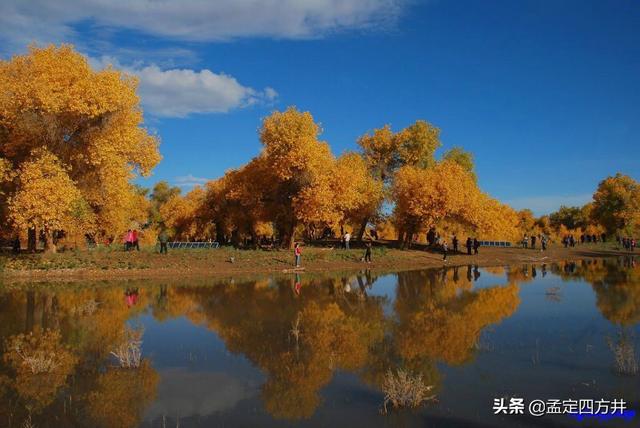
(319, 350)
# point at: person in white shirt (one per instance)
(347, 238)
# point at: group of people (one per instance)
(472, 244)
(534, 238)
(628, 244)
(131, 240)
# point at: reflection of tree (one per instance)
(438, 318)
(617, 293)
(298, 339)
(447, 329)
(615, 282)
(85, 323)
(121, 395)
(334, 329)
(41, 364)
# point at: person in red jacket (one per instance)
(135, 244)
(297, 251)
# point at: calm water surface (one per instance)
(312, 350)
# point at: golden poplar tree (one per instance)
(46, 197)
(90, 120)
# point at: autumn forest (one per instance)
(73, 142)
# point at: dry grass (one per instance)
(404, 390)
(35, 353)
(129, 351)
(88, 307)
(625, 360)
(27, 423)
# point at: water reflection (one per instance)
(299, 331)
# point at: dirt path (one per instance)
(225, 262)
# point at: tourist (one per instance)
(444, 250)
(476, 273)
(297, 251)
(163, 238)
(604, 237)
(347, 239)
(582, 239)
(454, 241)
(543, 242)
(134, 243)
(476, 245)
(525, 241)
(533, 242)
(367, 252)
(469, 244)
(633, 244)
(431, 236)
(128, 240)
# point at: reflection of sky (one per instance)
(198, 376)
(184, 393)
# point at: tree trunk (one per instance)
(406, 241)
(220, 234)
(31, 309)
(290, 236)
(363, 228)
(49, 245)
(31, 240)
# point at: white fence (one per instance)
(178, 245)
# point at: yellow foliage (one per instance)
(90, 120)
(617, 204)
(46, 197)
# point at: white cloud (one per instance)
(180, 92)
(190, 181)
(541, 205)
(48, 21)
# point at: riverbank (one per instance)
(104, 264)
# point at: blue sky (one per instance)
(546, 94)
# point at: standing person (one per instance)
(347, 239)
(543, 242)
(128, 240)
(134, 236)
(525, 241)
(367, 252)
(297, 251)
(476, 245)
(469, 244)
(455, 243)
(163, 238)
(533, 242)
(445, 247)
(633, 244)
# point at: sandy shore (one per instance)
(226, 262)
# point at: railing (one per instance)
(178, 245)
(495, 243)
